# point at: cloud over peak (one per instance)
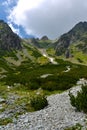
(48, 17)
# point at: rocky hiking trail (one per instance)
(51, 59)
(58, 115)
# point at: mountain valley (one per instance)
(36, 68)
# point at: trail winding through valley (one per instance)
(51, 59)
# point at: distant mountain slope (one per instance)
(77, 36)
(70, 45)
(8, 40)
(15, 50)
(44, 42)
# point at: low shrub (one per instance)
(76, 127)
(5, 121)
(38, 102)
(80, 101)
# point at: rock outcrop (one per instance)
(8, 40)
(44, 38)
(77, 36)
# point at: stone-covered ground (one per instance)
(58, 115)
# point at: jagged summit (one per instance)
(8, 39)
(77, 34)
(77, 37)
(44, 38)
(81, 25)
(79, 29)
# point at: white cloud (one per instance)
(48, 17)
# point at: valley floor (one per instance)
(57, 116)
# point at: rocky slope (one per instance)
(8, 39)
(77, 35)
(57, 116)
(13, 49)
(44, 42)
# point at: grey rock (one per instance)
(57, 116)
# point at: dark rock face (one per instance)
(44, 38)
(33, 42)
(68, 54)
(8, 39)
(78, 33)
(62, 44)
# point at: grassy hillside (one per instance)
(32, 71)
(48, 76)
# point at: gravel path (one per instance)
(57, 116)
(51, 59)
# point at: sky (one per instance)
(37, 18)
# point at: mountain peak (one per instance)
(77, 33)
(81, 23)
(44, 38)
(8, 39)
(81, 27)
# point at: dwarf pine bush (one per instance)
(38, 102)
(80, 101)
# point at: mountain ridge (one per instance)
(72, 44)
(8, 39)
(74, 35)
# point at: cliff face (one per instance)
(8, 40)
(78, 34)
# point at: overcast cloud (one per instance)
(48, 17)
